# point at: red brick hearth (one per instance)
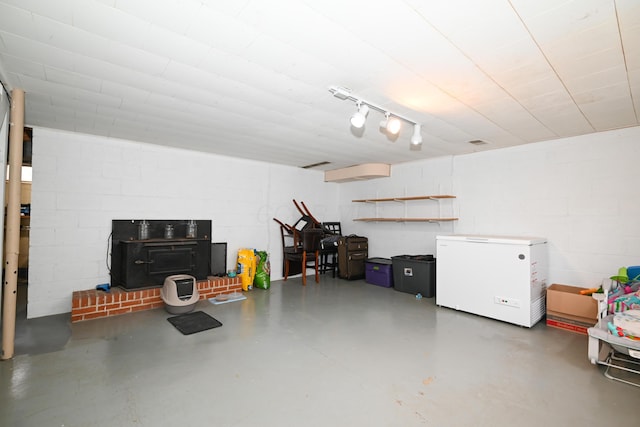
(93, 304)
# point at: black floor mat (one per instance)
(190, 323)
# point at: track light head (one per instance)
(393, 125)
(360, 116)
(383, 123)
(390, 125)
(416, 138)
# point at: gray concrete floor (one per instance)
(336, 353)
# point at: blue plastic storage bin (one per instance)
(379, 271)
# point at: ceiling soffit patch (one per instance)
(315, 165)
(358, 172)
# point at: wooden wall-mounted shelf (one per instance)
(405, 219)
(404, 199)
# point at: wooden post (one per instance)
(12, 235)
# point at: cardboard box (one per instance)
(565, 306)
(568, 325)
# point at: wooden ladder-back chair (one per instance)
(296, 245)
(290, 239)
(306, 212)
(329, 247)
(305, 255)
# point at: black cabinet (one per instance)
(140, 263)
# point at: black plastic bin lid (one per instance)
(385, 261)
(424, 258)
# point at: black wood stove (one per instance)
(145, 252)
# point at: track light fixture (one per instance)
(360, 116)
(416, 138)
(392, 122)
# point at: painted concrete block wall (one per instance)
(580, 193)
(82, 182)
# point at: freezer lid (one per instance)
(503, 240)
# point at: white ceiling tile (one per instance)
(15, 20)
(563, 119)
(116, 112)
(550, 21)
(39, 98)
(634, 82)
(609, 114)
(64, 91)
(536, 102)
(175, 46)
(222, 32)
(574, 67)
(515, 120)
(59, 10)
(100, 19)
(65, 37)
(631, 45)
(29, 68)
(531, 9)
(36, 52)
(516, 58)
(73, 80)
(584, 44)
(472, 25)
(230, 8)
(122, 91)
(70, 104)
(174, 15)
(40, 116)
(597, 80)
(135, 59)
(111, 73)
(525, 84)
(207, 82)
(254, 73)
(628, 14)
(598, 94)
(110, 3)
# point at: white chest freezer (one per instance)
(499, 277)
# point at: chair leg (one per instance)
(316, 265)
(286, 269)
(304, 268)
(324, 262)
(334, 265)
